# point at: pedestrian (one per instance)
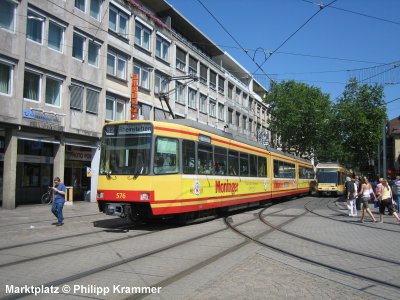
(386, 200)
(396, 192)
(365, 193)
(59, 191)
(358, 183)
(351, 197)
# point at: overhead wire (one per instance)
(297, 30)
(357, 13)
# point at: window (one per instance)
(203, 74)
(220, 111)
(6, 75)
(162, 48)
(192, 66)
(160, 84)
(93, 53)
(230, 116)
(230, 91)
(189, 157)
(237, 120)
(80, 4)
(179, 93)
(212, 108)
(253, 165)
(76, 96)
(204, 159)
(34, 27)
(180, 59)
(262, 166)
(244, 122)
(78, 46)
(115, 109)
(7, 15)
(53, 91)
(221, 85)
(118, 22)
(56, 36)
(306, 173)
(92, 101)
(166, 156)
(95, 9)
(32, 85)
(233, 162)
(237, 95)
(192, 94)
(143, 76)
(116, 65)
(220, 160)
(213, 80)
(142, 36)
(284, 169)
(244, 164)
(203, 103)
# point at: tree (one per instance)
(300, 115)
(359, 116)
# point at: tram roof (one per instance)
(330, 165)
(229, 135)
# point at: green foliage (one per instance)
(308, 124)
(299, 116)
(360, 114)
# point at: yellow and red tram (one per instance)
(149, 169)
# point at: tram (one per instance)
(331, 178)
(180, 168)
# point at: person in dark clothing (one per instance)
(59, 191)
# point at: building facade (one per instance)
(66, 68)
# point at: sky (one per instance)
(320, 47)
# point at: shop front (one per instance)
(78, 161)
(34, 170)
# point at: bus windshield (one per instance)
(327, 176)
(126, 150)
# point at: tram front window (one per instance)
(327, 176)
(125, 155)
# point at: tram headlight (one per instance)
(100, 194)
(144, 196)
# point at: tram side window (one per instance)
(166, 156)
(204, 159)
(283, 169)
(306, 173)
(262, 166)
(233, 163)
(220, 161)
(244, 164)
(253, 165)
(189, 157)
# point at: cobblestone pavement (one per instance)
(250, 272)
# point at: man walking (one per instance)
(59, 200)
(396, 192)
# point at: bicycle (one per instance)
(47, 198)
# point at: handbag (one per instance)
(376, 204)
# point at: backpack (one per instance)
(350, 187)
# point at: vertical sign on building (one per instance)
(134, 100)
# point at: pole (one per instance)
(379, 160)
(384, 170)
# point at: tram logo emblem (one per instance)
(265, 184)
(196, 189)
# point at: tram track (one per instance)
(314, 261)
(130, 259)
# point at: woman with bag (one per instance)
(386, 198)
(366, 193)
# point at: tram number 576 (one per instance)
(120, 195)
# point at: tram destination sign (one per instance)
(128, 129)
